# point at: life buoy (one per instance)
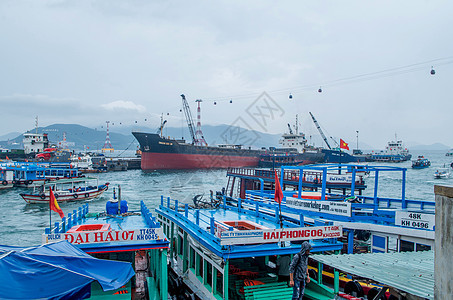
(14, 181)
(87, 195)
(75, 196)
(30, 182)
(56, 196)
(42, 196)
(4, 182)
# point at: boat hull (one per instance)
(336, 156)
(160, 153)
(64, 197)
(158, 161)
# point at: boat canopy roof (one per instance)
(412, 272)
(64, 271)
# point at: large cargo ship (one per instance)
(164, 153)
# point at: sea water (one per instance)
(23, 224)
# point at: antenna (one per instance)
(107, 145)
(36, 124)
(199, 138)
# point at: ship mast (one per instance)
(320, 130)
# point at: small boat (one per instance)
(124, 235)
(65, 190)
(449, 153)
(6, 178)
(421, 163)
(442, 173)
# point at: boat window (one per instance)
(218, 276)
(421, 247)
(406, 246)
(192, 258)
(180, 245)
(199, 266)
(208, 276)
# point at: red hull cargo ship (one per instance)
(163, 153)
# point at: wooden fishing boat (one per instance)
(65, 190)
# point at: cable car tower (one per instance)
(107, 145)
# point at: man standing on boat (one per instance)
(298, 271)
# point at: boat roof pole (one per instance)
(320, 130)
(189, 119)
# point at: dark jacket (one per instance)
(299, 264)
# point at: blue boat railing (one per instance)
(76, 217)
(259, 209)
(67, 222)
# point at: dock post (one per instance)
(225, 279)
(186, 210)
(350, 241)
(301, 218)
(69, 220)
(63, 224)
(353, 182)
(403, 191)
(239, 204)
(257, 209)
(80, 213)
(443, 243)
(164, 275)
(336, 281)
(212, 225)
(320, 267)
(74, 215)
(301, 178)
(323, 184)
(375, 202)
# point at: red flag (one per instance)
(7, 157)
(344, 145)
(54, 204)
(278, 195)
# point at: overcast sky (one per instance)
(86, 62)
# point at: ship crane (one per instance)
(320, 130)
(290, 130)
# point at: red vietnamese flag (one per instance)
(278, 195)
(54, 204)
(7, 157)
(344, 145)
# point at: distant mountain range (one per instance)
(121, 138)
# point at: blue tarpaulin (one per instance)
(56, 271)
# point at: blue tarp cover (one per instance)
(56, 271)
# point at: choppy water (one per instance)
(22, 224)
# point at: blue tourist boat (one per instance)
(119, 234)
(230, 252)
(420, 163)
